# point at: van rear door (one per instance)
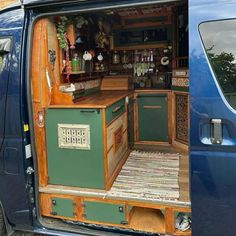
(13, 185)
(213, 116)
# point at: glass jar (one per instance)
(124, 58)
(116, 58)
(75, 64)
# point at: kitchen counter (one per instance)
(101, 99)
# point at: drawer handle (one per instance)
(152, 107)
(87, 111)
(117, 109)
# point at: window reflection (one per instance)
(219, 39)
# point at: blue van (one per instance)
(118, 117)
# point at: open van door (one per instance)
(213, 116)
(13, 184)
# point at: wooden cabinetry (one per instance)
(134, 215)
(117, 142)
(152, 111)
(85, 147)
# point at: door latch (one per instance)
(30, 170)
(216, 131)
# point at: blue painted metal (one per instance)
(13, 191)
(213, 186)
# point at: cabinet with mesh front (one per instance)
(75, 147)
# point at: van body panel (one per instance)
(213, 185)
(13, 194)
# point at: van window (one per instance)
(219, 40)
(5, 48)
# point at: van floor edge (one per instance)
(130, 185)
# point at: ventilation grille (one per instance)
(74, 136)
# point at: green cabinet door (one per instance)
(153, 117)
(75, 147)
(105, 212)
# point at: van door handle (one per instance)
(216, 131)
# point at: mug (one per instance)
(87, 56)
(100, 57)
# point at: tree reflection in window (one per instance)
(225, 68)
(219, 39)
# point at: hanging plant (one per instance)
(62, 25)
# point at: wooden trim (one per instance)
(79, 209)
(136, 120)
(170, 125)
(182, 233)
(117, 169)
(154, 91)
(170, 220)
(152, 143)
(105, 148)
(110, 123)
(40, 95)
(137, 203)
(173, 116)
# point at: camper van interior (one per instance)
(111, 118)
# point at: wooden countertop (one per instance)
(101, 99)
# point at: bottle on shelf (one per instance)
(75, 63)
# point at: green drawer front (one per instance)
(75, 167)
(115, 110)
(105, 212)
(153, 117)
(63, 207)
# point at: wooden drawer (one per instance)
(114, 156)
(105, 212)
(117, 142)
(61, 207)
(115, 110)
(121, 121)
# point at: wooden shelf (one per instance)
(182, 233)
(75, 73)
(147, 220)
(140, 47)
